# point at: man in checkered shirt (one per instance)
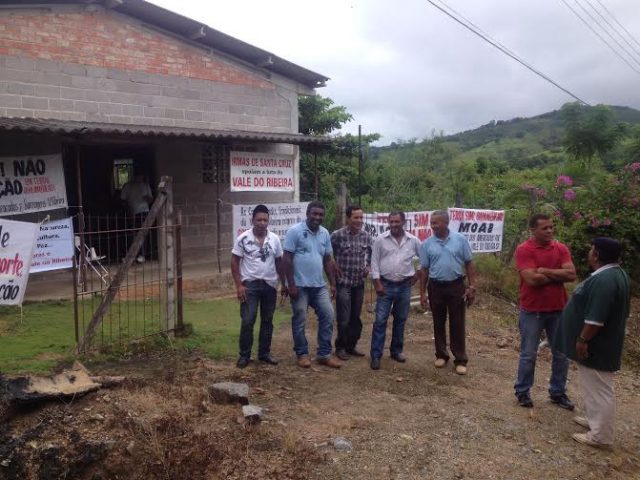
(352, 252)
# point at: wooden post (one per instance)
(120, 275)
(179, 304)
(167, 258)
(341, 206)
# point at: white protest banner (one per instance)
(267, 172)
(16, 246)
(482, 228)
(417, 223)
(54, 246)
(31, 184)
(282, 216)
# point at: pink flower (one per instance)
(577, 215)
(564, 180)
(539, 192)
(569, 194)
(606, 222)
(634, 167)
(558, 213)
(594, 222)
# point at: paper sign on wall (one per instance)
(268, 172)
(282, 216)
(16, 247)
(54, 246)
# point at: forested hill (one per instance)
(518, 143)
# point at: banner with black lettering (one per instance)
(282, 216)
(16, 248)
(266, 172)
(417, 223)
(31, 184)
(54, 246)
(482, 228)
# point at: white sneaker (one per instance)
(140, 259)
(461, 370)
(582, 421)
(585, 440)
(440, 362)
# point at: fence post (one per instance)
(179, 299)
(167, 257)
(341, 206)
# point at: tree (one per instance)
(318, 116)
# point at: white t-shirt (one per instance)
(134, 194)
(258, 263)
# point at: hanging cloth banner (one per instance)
(416, 223)
(31, 184)
(54, 246)
(17, 240)
(265, 172)
(482, 228)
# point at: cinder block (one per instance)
(20, 88)
(84, 82)
(110, 108)
(133, 111)
(77, 116)
(97, 96)
(194, 116)
(44, 65)
(21, 76)
(107, 84)
(118, 74)
(56, 78)
(20, 63)
(86, 107)
(35, 103)
(73, 69)
(61, 105)
(10, 101)
(174, 113)
(96, 117)
(98, 72)
(72, 93)
(120, 119)
(153, 112)
(120, 97)
(19, 113)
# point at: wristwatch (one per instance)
(581, 339)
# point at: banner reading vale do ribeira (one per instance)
(31, 184)
(266, 172)
(16, 247)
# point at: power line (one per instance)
(616, 20)
(606, 31)
(599, 36)
(614, 28)
(504, 50)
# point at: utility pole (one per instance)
(360, 162)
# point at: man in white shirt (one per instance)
(137, 196)
(256, 266)
(393, 276)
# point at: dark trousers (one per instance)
(259, 293)
(448, 297)
(348, 308)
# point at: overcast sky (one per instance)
(404, 69)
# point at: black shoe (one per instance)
(375, 364)
(269, 359)
(342, 354)
(242, 362)
(524, 400)
(562, 401)
(399, 357)
(355, 353)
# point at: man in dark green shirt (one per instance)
(592, 334)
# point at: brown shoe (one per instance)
(329, 362)
(342, 354)
(303, 361)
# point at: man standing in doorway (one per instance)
(137, 196)
(592, 334)
(352, 252)
(307, 252)
(255, 266)
(446, 260)
(393, 276)
(544, 265)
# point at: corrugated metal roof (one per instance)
(87, 129)
(197, 32)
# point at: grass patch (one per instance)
(44, 336)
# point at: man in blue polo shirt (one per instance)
(446, 258)
(307, 252)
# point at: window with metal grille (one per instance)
(215, 163)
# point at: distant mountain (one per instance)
(519, 142)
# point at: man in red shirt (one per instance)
(544, 265)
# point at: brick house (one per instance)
(113, 85)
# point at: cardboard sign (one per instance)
(482, 228)
(31, 184)
(16, 247)
(282, 216)
(267, 172)
(54, 246)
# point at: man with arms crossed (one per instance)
(544, 265)
(255, 267)
(446, 258)
(592, 334)
(307, 252)
(352, 252)
(393, 276)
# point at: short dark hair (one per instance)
(315, 204)
(441, 213)
(350, 209)
(259, 209)
(397, 212)
(533, 221)
(608, 249)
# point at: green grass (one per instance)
(45, 334)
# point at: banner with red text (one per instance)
(31, 184)
(282, 216)
(482, 228)
(54, 246)
(16, 247)
(417, 223)
(268, 172)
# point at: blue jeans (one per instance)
(259, 293)
(317, 298)
(396, 300)
(531, 325)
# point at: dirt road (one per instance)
(405, 421)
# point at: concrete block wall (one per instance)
(86, 63)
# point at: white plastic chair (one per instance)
(92, 259)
